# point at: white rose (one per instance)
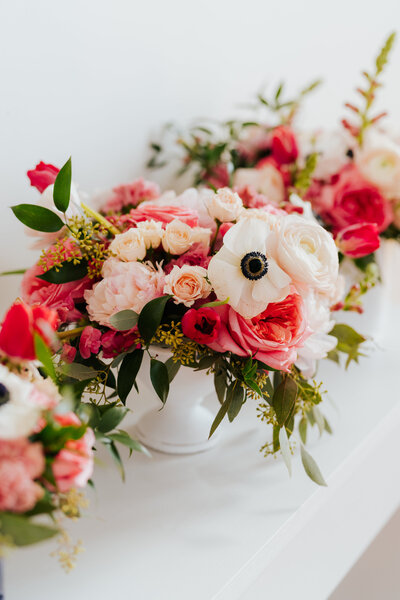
(267, 181)
(177, 237)
(152, 233)
(307, 253)
(379, 162)
(18, 411)
(225, 205)
(201, 235)
(187, 284)
(129, 246)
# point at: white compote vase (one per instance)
(182, 425)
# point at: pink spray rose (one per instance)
(131, 194)
(272, 337)
(350, 199)
(73, 465)
(196, 256)
(42, 176)
(89, 341)
(358, 240)
(20, 463)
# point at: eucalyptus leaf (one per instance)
(311, 467)
(159, 379)
(285, 449)
(124, 320)
(62, 187)
(38, 218)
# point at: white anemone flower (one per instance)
(18, 411)
(244, 270)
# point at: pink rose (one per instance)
(89, 341)
(114, 343)
(272, 337)
(130, 195)
(350, 199)
(73, 465)
(20, 463)
(284, 145)
(60, 297)
(358, 240)
(42, 176)
(165, 214)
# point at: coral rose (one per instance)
(187, 284)
(272, 337)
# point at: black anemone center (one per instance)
(4, 394)
(254, 265)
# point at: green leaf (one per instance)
(220, 415)
(285, 449)
(124, 438)
(112, 418)
(124, 320)
(327, 426)
(284, 398)
(172, 368)
(311, 467)
(44, 355)
(127, 373)
(150, 317)
(23, 531)
(346, 335)
(117, 459)
(16, 272)
(236, 400)
(62, 187)
(215, 303)
(275, 438)
(66, 273)
(159, 379)
(319, 419)
(80, 372)
(220, 385)
(38, 218)
(303, 430)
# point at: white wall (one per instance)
(93, 78)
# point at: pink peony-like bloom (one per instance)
(114, 343)
(73, 465)
(124, 286)
(20, 463)
(42, 176)
(164, 214)
(350, 199)
(60, 297)
(272, 337)
(68, 353)
(197, 256)
(131, 194)
(89, 341)
(358, 240)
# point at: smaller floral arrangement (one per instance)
(243, 292)
(351, 177)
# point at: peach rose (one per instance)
(187, 284)
(177, 237)
(129, 246)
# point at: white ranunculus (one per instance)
(245, 271)
(129, 246)
(152, 232)
(305, 205)
(379, 162)
(319, 343)
(18, 411)
(267, 180)
(332, 148)
(225, 205)
(308, 254)
(177, 237)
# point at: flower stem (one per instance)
(70, 333)
(100, 219)
(215, 236)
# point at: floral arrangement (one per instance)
(243, 292)
(350, 176)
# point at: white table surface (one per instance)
(228, 524)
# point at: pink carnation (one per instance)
(20, 463)
(125, 285)
(89, 341)
(272, 337)
(73, 465)
(165, 214)
(68, 353)
(197, 256)
(131, 194)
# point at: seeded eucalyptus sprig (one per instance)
(368, 94)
